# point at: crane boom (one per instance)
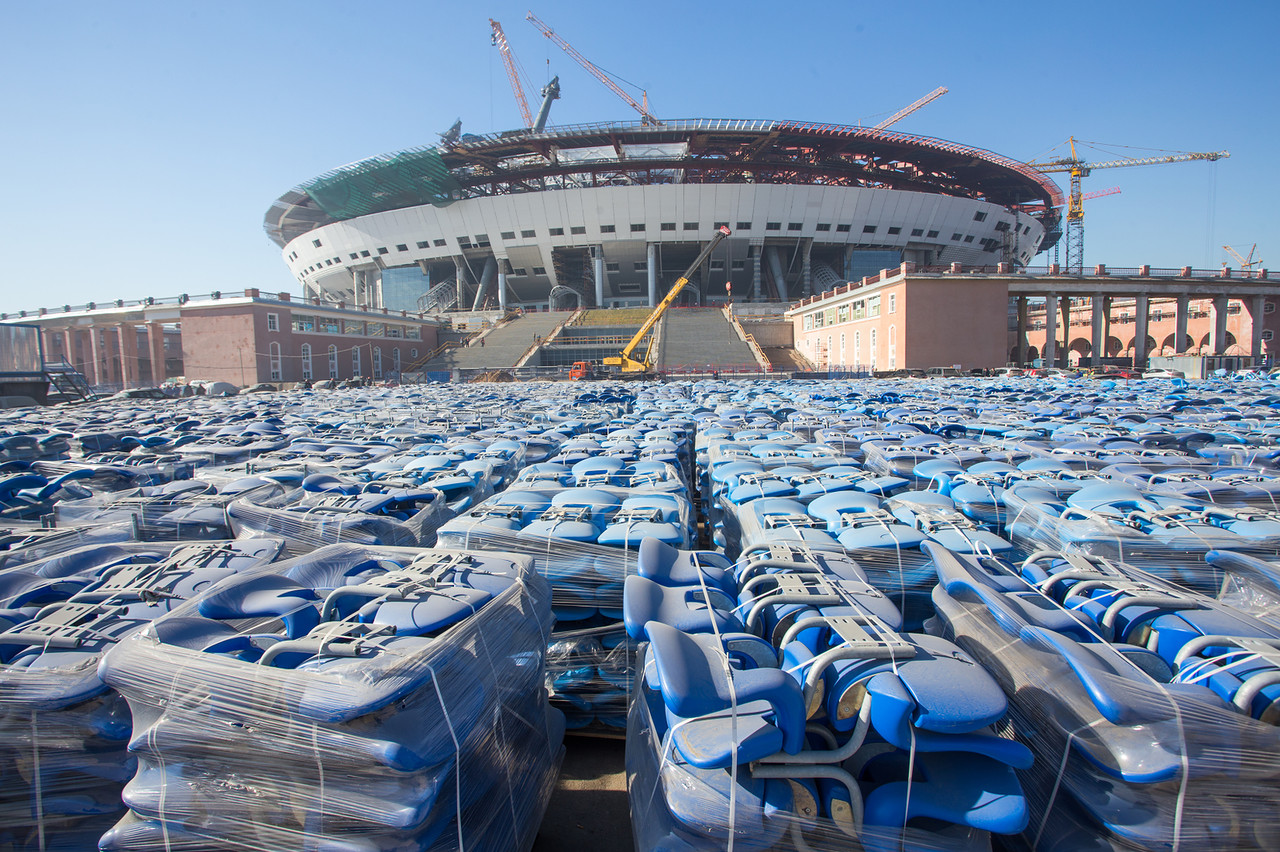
(645, 116)
(517, 88)
(910, 108)
(624, 359)
(1066, 165)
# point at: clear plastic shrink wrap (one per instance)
(63, 731)
(355, 699)
(1152, 710)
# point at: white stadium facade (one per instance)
(610, 214)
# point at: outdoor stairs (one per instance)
(698, 338)
(67, 382)
(503, 347)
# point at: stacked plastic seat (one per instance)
(356, 699)
(780, 703)
(1151, 709)
(63, 731)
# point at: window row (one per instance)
(275, 361)
(334, 325)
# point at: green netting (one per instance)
(389, 182)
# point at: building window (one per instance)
(508, 235)
(607, 229)
(842, 229)
(842, 361)
(315, 243)
(355, 256)
(1268, 307)
(871, 346)
(824, 226)
(932, 235)
(402, 247)
(893, 347)
(738, 265)
(578, 229)
(1266, 334)
(528, 235)
(969, 238)
(955, 238)
(893, 232)
(980, 216)
(668, 226)
(439, 242)
(377, 362)
(556, 232)
(274, 354)
(333, 362)
(482, 240)
(868, 229)
(395, 359)
(539, 270)
(519, 272)
(691, 226)
(413, 353)
(893, 303)
(917, 232)
(273, 322)
(421, 244)
(1002, 226)
(383, 250)
(306, 361)
(611, 266)
(744, 226)
(464, 242)
(717, 265)
(794, 226)
(857, 347)
(637, 227)
(355, 362)
(364, 253)
(641, 265)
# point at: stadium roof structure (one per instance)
(692, 151)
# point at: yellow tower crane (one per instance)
(1247, 263)
(1079, 169)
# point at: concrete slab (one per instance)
(589, 808)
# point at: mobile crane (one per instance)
(623, 363)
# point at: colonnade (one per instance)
(109, 354)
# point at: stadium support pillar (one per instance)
(652, 266)
(1098, 345)
(486, 278)
(1141, 312)
(502, 284)
(155, 345)
(598, 258)
(1219, 341)
(460, 281)
(806, 271)
(1257, 305)
(1022, 331)
(757, 248)
(127, 338)
(1180, 324)
(1050, 354)
(110, 374)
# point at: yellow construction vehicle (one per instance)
(627, 366)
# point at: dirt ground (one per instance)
(589, 809)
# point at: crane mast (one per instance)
(645, 116)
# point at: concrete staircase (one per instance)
(701, 338)
(499, 348)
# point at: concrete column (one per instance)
(806, 271)
(757, 249)
(1022, 331)
(69, 346)
(652, 266)
(599, 270)
(1050, 353)
(110, 351)
(95, 372)
(460, 281)
(49, 339)
(1141, 311)
(155, 347)
(502, 286)
(1180, 324)
(1256, 307)
(1219, 340)
(1097, 325)
(1066, 330)
(127, 338)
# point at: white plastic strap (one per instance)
(457, 762)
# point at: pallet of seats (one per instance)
(355, 698)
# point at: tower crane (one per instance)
(645, 116)
(1079, 169)
(1246, 263)
(509, 61)
(910, 108)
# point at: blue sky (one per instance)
(145, 140)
